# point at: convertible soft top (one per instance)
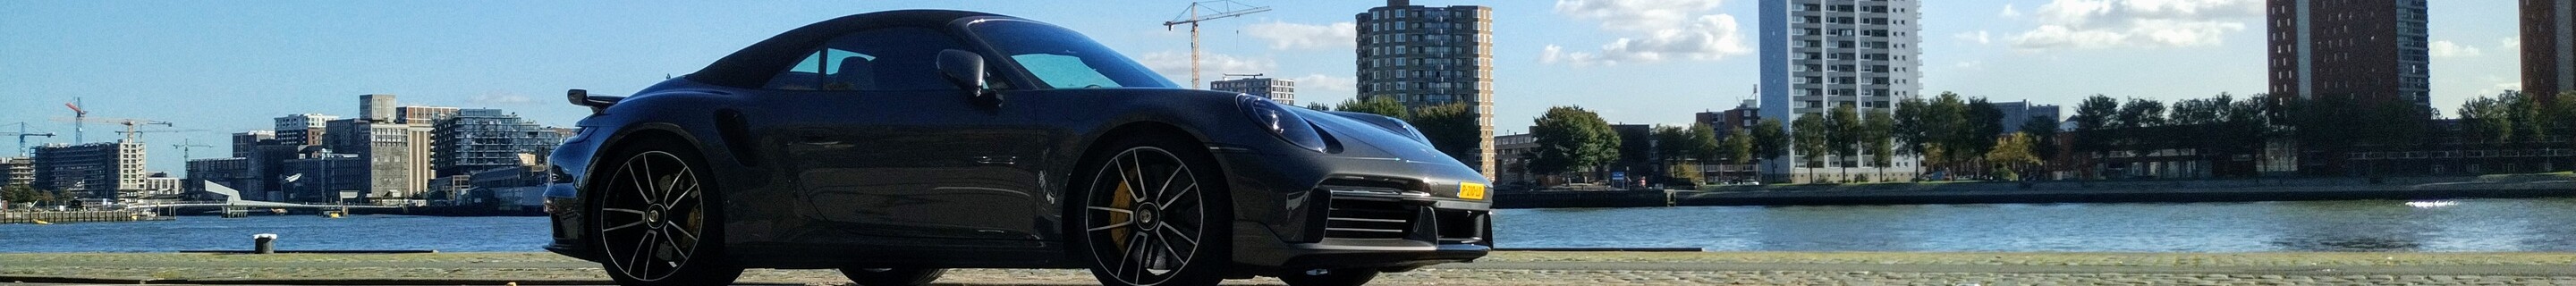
(753, 65)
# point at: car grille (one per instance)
(1367, 219)
(1463, 226)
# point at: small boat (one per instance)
(43, 222)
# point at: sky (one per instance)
(231, 66)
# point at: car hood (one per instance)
(1371, 135)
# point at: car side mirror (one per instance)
(966, 70)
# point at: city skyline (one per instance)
(230, 67)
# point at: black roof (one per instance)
(752, 66)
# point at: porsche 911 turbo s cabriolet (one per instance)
(892, 145)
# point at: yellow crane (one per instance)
(1215, 10)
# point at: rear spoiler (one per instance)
(597, 103)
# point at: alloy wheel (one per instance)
(652, 214)
(1145, 217)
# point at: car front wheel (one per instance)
(1153, 213)
(653, 222)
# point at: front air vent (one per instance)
(1369, 219)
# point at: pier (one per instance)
(16, 217)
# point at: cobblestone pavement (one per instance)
(1504, 268)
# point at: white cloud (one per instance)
(1323, 82)
(2512, 43)
(2010, 12)
(1286, 36)
(1980, 37)
(1176, 65)
(2447, 49)
(1654, 31)
(1970, 65)
(2096, 24)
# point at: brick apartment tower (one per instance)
(2372, 51)
(1424, 56)
(2546, 44)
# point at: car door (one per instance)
(886, 148)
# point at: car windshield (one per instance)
(1061, 58)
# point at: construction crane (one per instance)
(1216, 10)
(79, 118)
(184, 148)
(22, 137)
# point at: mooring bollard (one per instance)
(265, 243)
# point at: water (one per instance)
(2476, 225)
(2481, 225)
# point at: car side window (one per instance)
(887, 59)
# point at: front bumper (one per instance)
(1309, 211)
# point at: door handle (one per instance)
(997, 160)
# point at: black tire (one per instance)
(1335, 277)
(1127, 238)
(893, 276)
(661, 231)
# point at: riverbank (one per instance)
(1502, 268)
(53, 217)
(2180, 191)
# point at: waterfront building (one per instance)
(17, 171)
(2365, 51)
(246, 142)
(1283, 91)
(104, 170)
(1510, 152)
(324, 177)
(160, 184)
(302, 129)
(1726, 123)
(229, 172)
(376, 108)
(478, 139)
(2548, 48)
(1431, 55)
(1819, 54)
(2022, 112)
(423, 115)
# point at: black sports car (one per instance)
(894, 144)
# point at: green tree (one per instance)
(1878, 138)
(2043, 136)
(15, 194)
(2093, 121)
(1945, 116)
(1984, 123)
(1738, 147)
(1679, 147)
(1770, 141)
(1843, 131)
(1811, 133)
(2136, 122)
(1451, 127)
(1379, 105)
(1570, 137)
(1318, 106)
(2013, 153)
(1910, 126)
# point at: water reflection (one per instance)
(2461, 225)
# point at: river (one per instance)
(2474, 225)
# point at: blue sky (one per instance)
(230, 66)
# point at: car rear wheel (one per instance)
(1330, 277)
(654, 223)
(1154, 212)
(893, 276)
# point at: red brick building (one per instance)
(2546, 42)
(2375, 51)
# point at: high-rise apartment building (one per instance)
(246, 143)
(17, 171)
(1425, 56)
(1819, 54)
(104, 170)
(2548, 39)
(1283, 91)
(302, 129)
(2019, 113)
(2368, 51)
(478, 139)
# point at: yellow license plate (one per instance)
(1472, 191)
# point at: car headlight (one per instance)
(1279, 121)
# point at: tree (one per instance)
(1380, 105)
(1569, 137)
(1770, 140)
(1679, 146)
(15, 194)
(1738, 147)
(1843, 137)
(1318, 106)
(2135, 121)
(1910, 126)
(2043, 136)
(1984, 122)
(1878, 136)
(1944, 118)
(1451, 127)
(1810, 132)
(2012, 153)
(2093, 122)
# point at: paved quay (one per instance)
(1503, 268)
